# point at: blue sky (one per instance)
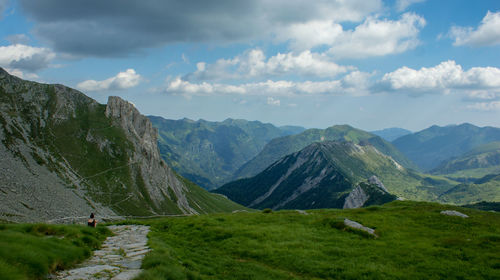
(371, 64)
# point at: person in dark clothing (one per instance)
(92, 222)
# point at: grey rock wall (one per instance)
(157, 175)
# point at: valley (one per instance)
(65, 155)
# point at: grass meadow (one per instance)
(415, 242)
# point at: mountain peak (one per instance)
(320, 175)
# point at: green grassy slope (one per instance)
(32, 251)
(283, 146)
(208, 153)
(483, 189)
(205, 202)
(415, 242)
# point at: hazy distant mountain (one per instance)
(282, 146)
(208, 153)
(433, 146)
(390, 134)
(62, 154)
(291, 129)
(323, 175)
(480, 161)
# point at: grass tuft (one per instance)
(32, 251)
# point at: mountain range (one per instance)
(208, 153)
(327, 174)
(62, 154)
(478, 162)
(283, 146)
(434, 146)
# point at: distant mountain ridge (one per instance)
(485, 158)
(208, 153)
(391, 134)
(328, 174)
(282, 146)
(62, 154)
(435, 145)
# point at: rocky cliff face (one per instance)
(158, 177)
(355, 199)
(64, 155)
(366, 193)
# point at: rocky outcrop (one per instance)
(375, 181)
(366, 193)
(358, 226)
(157, 176)
(355, 199)
(453, 213)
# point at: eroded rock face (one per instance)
(356, 198)
(375, 181)
(368, 193)
(156, 174)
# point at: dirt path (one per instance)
(120, 257)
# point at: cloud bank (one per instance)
(254, 64)
(373, 37)
(121, 27)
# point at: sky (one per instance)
(372, 64)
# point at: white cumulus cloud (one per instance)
(376, 37)
(373, 37)
(23, 58)
(255, 64)
(122, 80)
(445, 76)
(486, 34)
(344, 86)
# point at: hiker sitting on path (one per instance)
(92, 222)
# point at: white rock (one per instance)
(359, 226)
(454, 213)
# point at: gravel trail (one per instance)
(120, 257)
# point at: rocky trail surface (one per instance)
(119, 258)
